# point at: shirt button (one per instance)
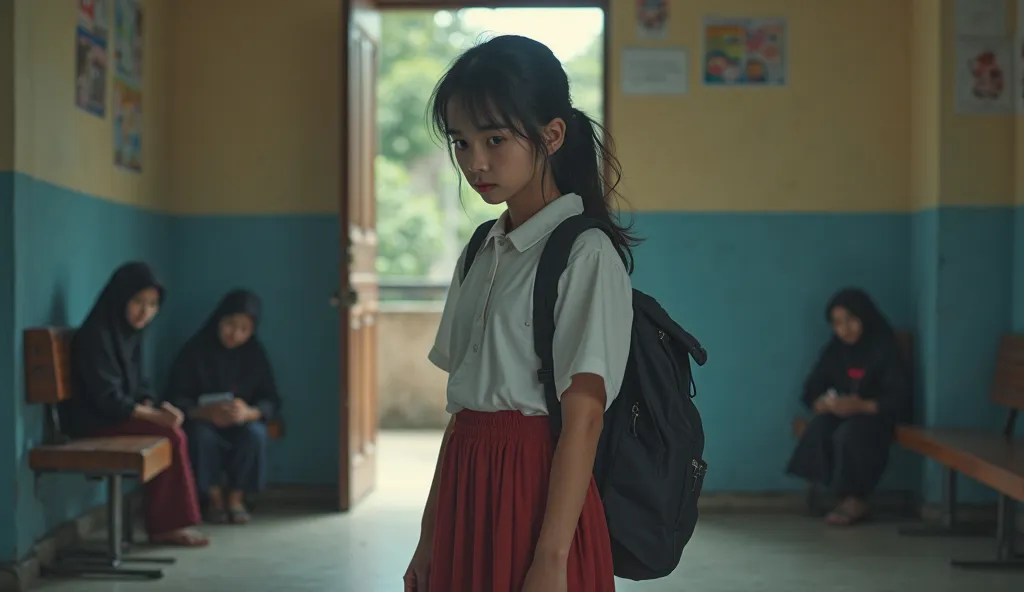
(476, 348)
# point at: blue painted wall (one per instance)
(7, 464)
(291, 261)
(753, 288)
(65, 245)
(963, 287)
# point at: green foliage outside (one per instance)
(420, 203)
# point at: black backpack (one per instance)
(649, 467)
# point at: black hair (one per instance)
(517, 83)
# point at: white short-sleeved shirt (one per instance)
(485, 340)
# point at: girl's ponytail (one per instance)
(585, 165)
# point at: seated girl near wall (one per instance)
(859, 390)
(113, 398)
(225, 362)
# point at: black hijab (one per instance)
(876, 333)
(106, 354)
(873, 368)
(205, 366)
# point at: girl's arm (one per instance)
(572, 466)
(430, 508)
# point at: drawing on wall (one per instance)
(91, 57)
(128, 121)
(651, 20)
(744, 52)
(983, 68)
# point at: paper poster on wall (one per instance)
(983, 65)
(127, 126)
(128, 39)
(979, 17)
(128, 56)
(744, 52)
(651, 20)
(655, 71)
(91, 57)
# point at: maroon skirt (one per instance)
(490, 508)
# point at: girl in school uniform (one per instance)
(113, 398)
(227, 439)
(509, 510)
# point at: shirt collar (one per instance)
(540, 224)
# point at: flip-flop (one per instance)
(239, 516)
(186, 538)
(843, 517)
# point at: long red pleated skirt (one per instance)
(490, 508)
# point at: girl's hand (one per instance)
(847, 406)
(823, 404)
(417, 577)
(546, 575)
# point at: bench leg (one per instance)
(1007, 556)
(948, 524)
(112, 560)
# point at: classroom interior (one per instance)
(756, 204)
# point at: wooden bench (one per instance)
(48, 382)
(994, 459)
(906, 341)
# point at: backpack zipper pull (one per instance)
(632, 421)
(698, 473)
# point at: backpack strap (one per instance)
(553, 261)
(476, 242)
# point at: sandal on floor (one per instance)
(843, 517)
(239, 516)
(181, 538)
(215, 516)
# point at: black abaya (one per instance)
(204, 365)
(106, 357)
(851, 453)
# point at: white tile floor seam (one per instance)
(368, 550)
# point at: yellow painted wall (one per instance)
(835, 139)
(58, 143)
(6, 85)
(255, 106)
(977, 151)
(926, 102)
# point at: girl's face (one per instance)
(498, 163)
(848, 328)
(142, 308)
(234, 330)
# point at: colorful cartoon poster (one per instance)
(127, 126)
(651, 20)
(93, 16)
(744, 52)
(90, 72)
(128, 56)
(979, 17)
(91, 57)
(984, 65)
(128, 39)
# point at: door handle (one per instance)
(350, 300)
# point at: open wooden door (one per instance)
(359, 295)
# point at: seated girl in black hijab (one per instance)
(227, 437)
(859, 390)
(113, 398)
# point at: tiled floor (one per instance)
(367, 551)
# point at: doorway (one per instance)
(423, 216)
